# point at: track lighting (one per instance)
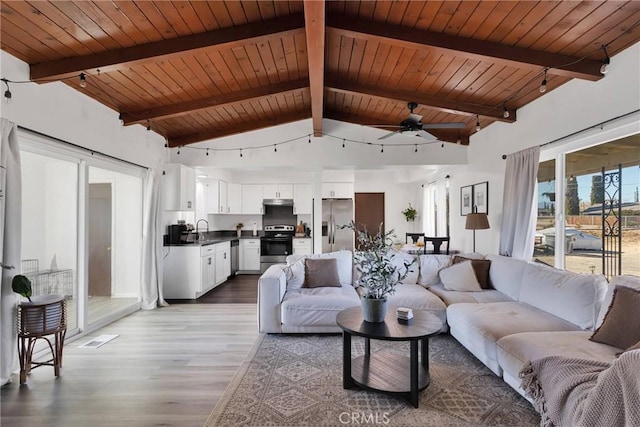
(543, 85)
(605, 62)
(505, 112)
(83, 80)
(477, 123)
(7, 93)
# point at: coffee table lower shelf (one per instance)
(387, 372)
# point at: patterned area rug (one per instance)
(296, 380)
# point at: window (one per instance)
(435, 221)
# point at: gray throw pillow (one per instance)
(621, 325)
(320, 273)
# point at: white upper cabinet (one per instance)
(337, 190)
(178, 187)
(222, 197)
(252, 199)
(234, 198)
(302, 199)
(216, 199)
(277, 191)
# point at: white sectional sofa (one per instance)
(532, 311)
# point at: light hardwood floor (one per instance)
(168, 367)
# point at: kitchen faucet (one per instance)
(198, 223)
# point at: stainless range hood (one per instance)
(277, 202)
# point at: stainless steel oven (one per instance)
(275, 245)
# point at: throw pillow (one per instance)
(460, 277)
(480, 267)
(295, 273)
(621, 325)
(636, 346)
(320, 273)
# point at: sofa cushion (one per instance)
(627, 280)
(506, 274)
(417, 297)
(399, 259)
(571, 296)
(479, 326)
(453, 297)
(621, 325)
(460, 277)
(480, 268)
(430, 266)
(344, 260)
(316, 306)
(514, 351)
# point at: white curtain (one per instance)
(151, 279)
(519, 211)
(10, 240)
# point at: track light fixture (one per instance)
(7, 93)
(442, 145)
(477, 123)
(83, 80)
(605, 62)
(120, 119)
(543, 85)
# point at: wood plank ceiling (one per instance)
(196, 70)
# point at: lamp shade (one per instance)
(477, 221)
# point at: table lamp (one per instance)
(476, 221)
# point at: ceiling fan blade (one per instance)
(388, 135)
(384, 126)
(454, 125)
(426, 135)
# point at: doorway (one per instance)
(100, 240)
(369, 211)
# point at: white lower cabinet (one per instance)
(302, 246)
(192, 271)
(250, 255)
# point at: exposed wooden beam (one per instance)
(432, 102)
(118, 59)
(249, 125)
(563, 65)
(448, 135)
(180, 109)
(314, 16)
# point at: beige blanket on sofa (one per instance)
(577, 392)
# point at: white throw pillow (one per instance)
(460, 277)
(399, 259)
(430, 265)
(295, 272)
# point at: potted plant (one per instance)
(410, 213)
(239, 228)
(378, 274)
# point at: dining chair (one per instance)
(437, 243)
(414, 237)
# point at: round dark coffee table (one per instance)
(385, 370)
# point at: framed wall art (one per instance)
(466, 200)
(481, 197)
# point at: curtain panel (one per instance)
(10, 241)
(519, 210)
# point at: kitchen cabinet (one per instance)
(223, 262)
(302, 199)
(216, 196)
(252, 199)
(277, 191)
(178, 187)
(250, 250)
(337, 190)
(302, 246)
(234, 198)
(189, 271)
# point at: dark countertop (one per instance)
(212, 241)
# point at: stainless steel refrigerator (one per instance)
(336, 212)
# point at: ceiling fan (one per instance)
(413, 126)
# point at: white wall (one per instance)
(58, 110)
